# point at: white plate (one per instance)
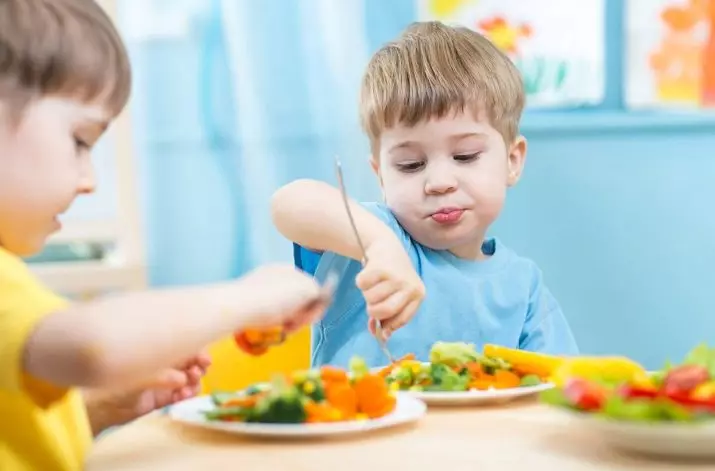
(663, 440)
(408, 409)
(473, 398)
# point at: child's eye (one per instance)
(80, 144)
(410, 166)
(467, 157)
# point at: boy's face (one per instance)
(46, 163)
(446, 179)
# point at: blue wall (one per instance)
(616, 207)
(617, 210)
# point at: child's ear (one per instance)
(517, 157)
(375, 165)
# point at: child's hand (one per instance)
(176, 384)
(281, 295)
(392, 288)
(109, 408)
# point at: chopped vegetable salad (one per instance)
(620, 389)
(458, 366)
(322, 395)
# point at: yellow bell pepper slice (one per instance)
(610, 369)
(705, 391)
(525, 362)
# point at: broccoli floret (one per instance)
(401, 375)
(358, 367)
(422, 374)
(453, 353)
(225, 413)
(282, 405)
(530, 380)
(408, 374)
(311, 388)
(491, 365)
(446, 379)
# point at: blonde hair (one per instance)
(433, 69)
(64, 48)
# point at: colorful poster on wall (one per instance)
(670, 56)
(558, 45)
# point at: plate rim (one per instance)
(635, 426)
(418, 407)
(663, 439)
(487, 394)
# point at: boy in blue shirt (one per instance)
(441, 107)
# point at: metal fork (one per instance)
(341, 183)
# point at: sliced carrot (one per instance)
(386, 408)
(384, 372)
(343, 397)
(246, 401)
(504, 379)
(253, 336)
(248, 347)
(331, 374)
(475, 369)
(482, 383)
(424, 382)
(372, 393)
(321, 413)
(262, 338)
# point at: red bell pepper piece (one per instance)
(637, 392)
(683, 380)
(585, 395)
(705, 405)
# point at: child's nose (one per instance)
(441, 183)
(88, 181)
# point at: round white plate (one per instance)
(408, 409)
(664, 440)
(473, 398)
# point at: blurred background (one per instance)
(234, 98)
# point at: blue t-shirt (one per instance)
(502, 300)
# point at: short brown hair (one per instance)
(433, 69)
(61, 47)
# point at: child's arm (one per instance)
(313, 215)
(126, 339)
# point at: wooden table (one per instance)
(524, 436)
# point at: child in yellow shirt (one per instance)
(64, 75)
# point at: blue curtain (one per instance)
(234, 98)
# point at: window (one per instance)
(100, 247)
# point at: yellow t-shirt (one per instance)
(42, 427)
